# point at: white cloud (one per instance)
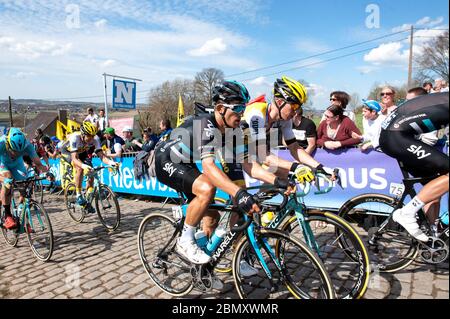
(262, 80)
(101, 24)
(388, 54)
(423, 21)
(436, 22)
(35, 49)
(108, 63)
(23, 75)
(316, 90)
(365, 69)
(403, 27)
(211, 47)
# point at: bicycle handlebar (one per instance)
(238, 229)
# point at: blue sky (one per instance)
(47, 52)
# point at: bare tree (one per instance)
(163, 103)
(355, 101)
(204, 83)
(434, 60)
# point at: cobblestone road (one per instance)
(89, 262)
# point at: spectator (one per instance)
(341, 99)
(52, 149)
(437, 86)
(113, 143)
(336, 131)
(430, 138)
(166, 129)
(428, 86)
(153, 137)
(387, 96)
(91, 117)
(148, 142)
(372, 121)
(102, 123)
(305, 131)
(130, 141)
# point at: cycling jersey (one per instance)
(15, 165)
(196, 139)
(75, 144)
(256, 117)
(399, 133)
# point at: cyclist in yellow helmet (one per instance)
(81, 146)
(288, 96)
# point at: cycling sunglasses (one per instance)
(237, 108)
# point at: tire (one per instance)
(347, 264)
(107, 206)
(303, 265)
(39, 231)
(70, 197)
(394, 248)
(11, 235)
(170, 273)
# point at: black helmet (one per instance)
(231, 91)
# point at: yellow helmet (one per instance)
(87, 128)
(290, 90)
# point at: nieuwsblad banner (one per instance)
(371, 172)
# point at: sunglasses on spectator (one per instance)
(386, 93)
(333, 99)
(236, 108)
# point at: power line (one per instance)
(317, 55)
(319, 62)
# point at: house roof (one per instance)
(42, 121)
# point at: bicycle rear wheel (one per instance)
(302, 274)
(390, 249)
(107, 206)
(156, 245)
(70, 198)
(348, 265)
(39, 231)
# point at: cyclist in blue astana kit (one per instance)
(13, 146)
(81, 146)
(398, 139)
(202, 137)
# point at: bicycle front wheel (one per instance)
(39, 231)
(390, 248)
(348, 263)
(294, 270)
(157, 236)
(38, 192)
(70, 198)
(108, 209)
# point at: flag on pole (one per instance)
(180, 117)
(72, 126)
(61, 131)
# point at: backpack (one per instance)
(140, 166)
(151, 163)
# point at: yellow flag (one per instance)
(180, 117)
(72, 126)
(61, 131)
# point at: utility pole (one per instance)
(11, 124)
(410, 58)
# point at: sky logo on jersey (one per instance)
(418, 151)
(169, 169)
(209, 130)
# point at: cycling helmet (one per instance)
(372, 104)
(16, 140)
(290, 90)
(231, 91)
(87, 128)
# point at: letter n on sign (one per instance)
(124, 95)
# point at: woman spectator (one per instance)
(387, 96)
(372, 125)
(336, 131)
(340, 98)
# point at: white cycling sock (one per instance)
(412, 207)
(188, 233)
